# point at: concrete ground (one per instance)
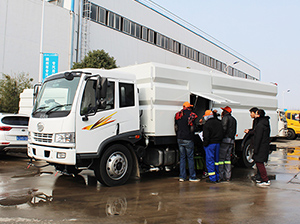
(39, 196)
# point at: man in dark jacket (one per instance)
(184, 127)
(250, 132)
(229, 131)
(212, 137)
(253, 116)
(261, 143)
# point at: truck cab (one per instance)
(293, 123)
(81, 115)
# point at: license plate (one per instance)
(22, 138)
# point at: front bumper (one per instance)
(50, 154)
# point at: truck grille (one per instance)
(42, 137)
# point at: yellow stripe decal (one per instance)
(102, 121)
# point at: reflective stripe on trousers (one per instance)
(212, 161)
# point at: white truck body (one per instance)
(135, 128)
(164, 88)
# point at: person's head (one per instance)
(226, 110)
(260, 113)
(186, 105)
(253, 112)
(208, 114)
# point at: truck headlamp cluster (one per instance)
(65, 137)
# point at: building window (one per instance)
(132, 28)
(151, 36)
(190, 53)
(195, 55)
(111, 17)
(176, 47)
(171, 45)
(145, 33)
(138, 30)
(102, 15)
(117, 22)
(126, 92)
(182, 50)
(94, 12)
(166, 42)
(126, 26)
(158, 39)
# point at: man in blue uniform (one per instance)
(212, 137)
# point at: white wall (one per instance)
(20, 31)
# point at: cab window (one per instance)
(126, 92)
(295, 117)
(88, 103)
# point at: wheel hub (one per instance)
(249, 154)
(116, 165)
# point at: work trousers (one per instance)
(212, 161)
(225, 158)
(186, 148)
(262, 171)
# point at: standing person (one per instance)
(250, 132)
(261, 143)
(253, 116)
(212, 137)
(229, 131)
(184, 127)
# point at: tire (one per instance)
(114, 167)
(291, 135)
(247, 154)
(67, 170)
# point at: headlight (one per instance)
(65, 137)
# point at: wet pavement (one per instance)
(40, 196)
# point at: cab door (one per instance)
(295, 122)
(94, 125)
(120, 116)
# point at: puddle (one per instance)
(18, 197)
(32, 174)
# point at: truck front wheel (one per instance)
(291, 135)
(247, 154)
(114, 166)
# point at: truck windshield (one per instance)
(56, 97)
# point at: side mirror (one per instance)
(36, 90)
(101, 92)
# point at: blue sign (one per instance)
(50, 64)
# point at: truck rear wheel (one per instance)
(247, 154)
(114, 166)
(291, 135)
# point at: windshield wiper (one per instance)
(38, 109)
(58, 106)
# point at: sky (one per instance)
(265, 31)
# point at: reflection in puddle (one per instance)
(29, 196)
(116, 206)
(287, 157)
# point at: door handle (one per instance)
(117, 128)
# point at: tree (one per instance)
(10, 90)
(96, 59)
